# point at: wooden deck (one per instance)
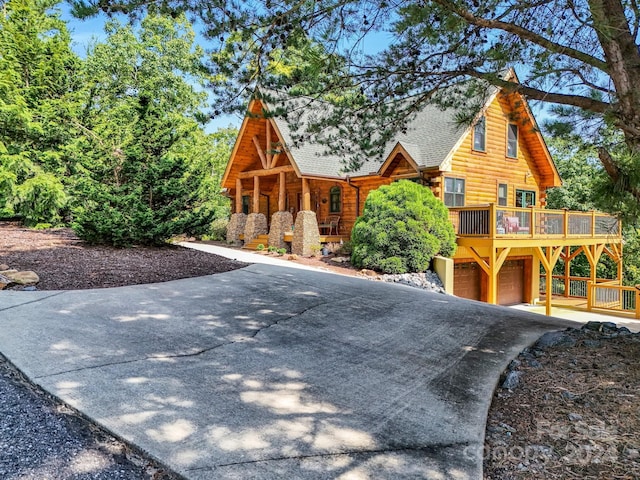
(533, 225)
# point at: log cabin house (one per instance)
(493, 176)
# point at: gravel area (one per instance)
(41, 438)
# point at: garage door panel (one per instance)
(467, 281)
(511, 282)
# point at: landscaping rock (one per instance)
(3, 267)
(594, 326)
(368, 273)
(4, 282)
(512, 380)
(555, 339)
(22, 278)
(426, 280)
(340, 259)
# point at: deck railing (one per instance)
(570, 287)
(495, 221)
(609, 296)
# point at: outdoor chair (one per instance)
(332, 224)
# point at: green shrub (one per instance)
(260, 247)
(281, 251)
(39, 199)
(218, 229)
(402, 227)
(272, 249)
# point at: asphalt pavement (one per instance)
(269, 372)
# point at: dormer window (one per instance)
(479, 135)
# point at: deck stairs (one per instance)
(260, 239)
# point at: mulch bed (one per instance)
(64, 262)
(575, 413)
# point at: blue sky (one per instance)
(85, 31)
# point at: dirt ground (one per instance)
(574, 415)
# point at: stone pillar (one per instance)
(236, 228)
(280, 222)
(256, 225)
(306, 233)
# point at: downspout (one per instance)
(357, 195)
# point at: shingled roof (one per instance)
(430, 137)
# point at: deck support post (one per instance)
(492, 290)
(567, 271)
(549, 283)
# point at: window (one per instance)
(479, 135)
(512, 140)
(335, 200)
(454, 192)
(525, 198)
(245, 204)
(502, 194)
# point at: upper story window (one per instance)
(502, 194)
(479, 135)
(335, 200)
(512, 140)
(454, 192)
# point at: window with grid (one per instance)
(454, 192)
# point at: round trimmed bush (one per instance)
(402, 227)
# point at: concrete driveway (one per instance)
(269, 372)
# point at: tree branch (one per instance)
(525, 34)
(615, 174)
(579, 101)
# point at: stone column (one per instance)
(236, 228)
(306, 233)
(281, 222)
(256, 225)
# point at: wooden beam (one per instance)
(238, 195)
(549, 259)
(256, 194)
(479, 260)
(306, 195)
(269, 150)
(501, 258)
(264, 173)
(263, 159)
(575, 254)
(274, 162)
(282, 192)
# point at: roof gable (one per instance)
(429, 142)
